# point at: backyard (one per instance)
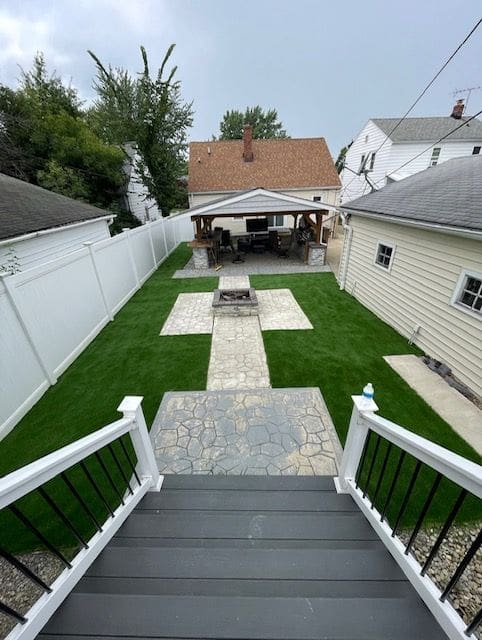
(342, 352)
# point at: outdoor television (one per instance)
(256, 224)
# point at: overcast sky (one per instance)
(325, 66)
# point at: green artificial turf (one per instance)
(340, 355)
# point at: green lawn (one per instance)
(341, 354)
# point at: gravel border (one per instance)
(466, 596)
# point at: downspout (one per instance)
(346, 248)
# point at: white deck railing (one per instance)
(464, 473)
(31, 477)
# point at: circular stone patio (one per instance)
(253, 432)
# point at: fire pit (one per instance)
(235, 302)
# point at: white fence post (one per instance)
(164, 236)
(90, 247)
(131, 256)
(151, 242)
(131, 408)
(355, 441)
(50, 375)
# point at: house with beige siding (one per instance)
(413, 255)
(298, 167)
(388, 149)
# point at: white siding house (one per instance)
(37, 226)
(137, 198)
(409, 149)
(413, 256)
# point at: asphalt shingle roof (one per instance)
(429, 129)
(25, 208)
(449, 194)
(278, 164)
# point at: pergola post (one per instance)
(198, 229)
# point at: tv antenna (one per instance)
(467, 91)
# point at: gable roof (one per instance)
(448, 195)
(257, 202)
(429, 129)
(278, 164)
(26, 208)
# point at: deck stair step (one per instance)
(244, 557)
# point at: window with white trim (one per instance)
(469, 294)
(275, 221)
(435, 156)
(384, 255)
(476, 151)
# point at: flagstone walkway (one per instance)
(260, 432)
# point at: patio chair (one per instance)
(273, 241)
(226, 242)
(284, 246)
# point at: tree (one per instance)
(265, 124)
(340, 161)
(44, 139)
(150, 112)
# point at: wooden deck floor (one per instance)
(245, 558)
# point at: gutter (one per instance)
(346, 249)
(430, 226)
(45, 232)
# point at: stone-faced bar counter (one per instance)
(316, 254)
(200, 249)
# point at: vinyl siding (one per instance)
(403, 152)
(418, 290)
(30, 253)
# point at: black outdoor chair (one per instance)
(273, 241)
(226, 242)
(284, 246)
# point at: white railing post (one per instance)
(131, 408)
(151, 242)
(355, 441)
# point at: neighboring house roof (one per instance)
(429, 129)
(278, 164)
(26, 208)
(449, 195)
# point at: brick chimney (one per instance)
(248, 155)
(458, 110)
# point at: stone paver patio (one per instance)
(260, 431)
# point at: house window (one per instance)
(362, 163)
(316, 198)
(372, 161)
(468, 293)
(384, 255)
(275, 221)
(366, 139)
(435, 156)
(475, 151)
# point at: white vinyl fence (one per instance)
(50, 313)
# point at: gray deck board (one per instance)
(244, 558)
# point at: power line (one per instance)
(463, 124)
(473, 30)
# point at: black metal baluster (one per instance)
(474, 624)
(423, 513)
(108, 476)
(12, 613)
(119, 466)
(16, 511)
(363, 456)
(474, 547)
(372, 464)
(382, 473)
(131, 464)
(406, 498)
(443, 533)
(96, 488)
(77, 495)
(24, 569)
(392, 486)
(62, 516)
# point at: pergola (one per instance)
(260, 202)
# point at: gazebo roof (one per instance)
(257, 202)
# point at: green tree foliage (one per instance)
(148, 111)
(44, 139)
(265, 124)
(340, 161)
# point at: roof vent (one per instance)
(248, 155)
